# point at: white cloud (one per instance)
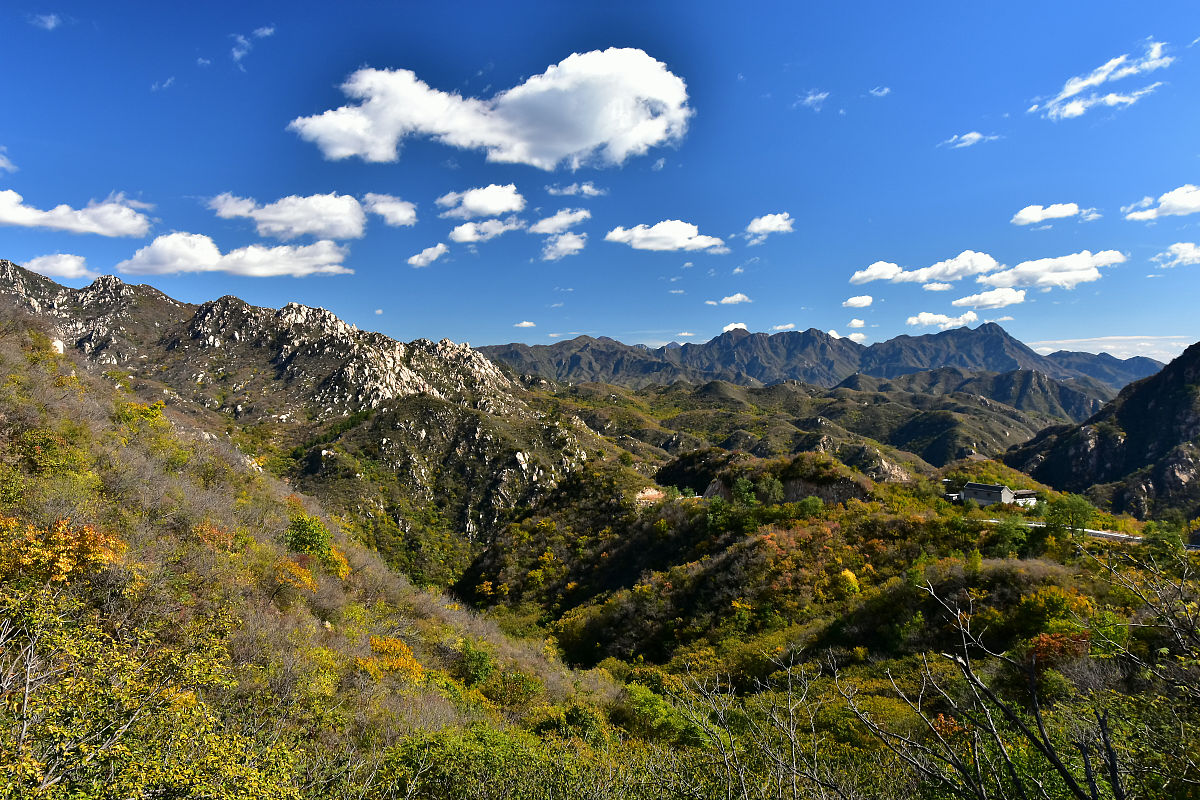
(158, 86)
(116, 216)
(879, 271)
(1163, 348)
(1177, 202)
(761, 227)
(734, 299)
(814, 99)
(671, 234)
(563, 220)
(938, 287)
(1180, 254)
(201, 61)
(60, 265)
(1065, 272)
(325, 216)
(6, 165)
(428, 255)
(966, 263)
(881, 91)
(861, 301)
(993, 298)
(734, 326)
(485, 230)
(857, 323)
(684, 334)
(1031, 215)
(857, 338)
(1079, 94)
(562, 245)
(586, 189)
(658, 165)
(395, 212)
(676, 291)
(787, 326)
(525, 324)
(599, 107)
(194, 252)
(484, 201)
(379, 311)
(832, 332)
(1089, 214)
(264, 32)
(926, 319)
(46, 22)
(967, 139)
(710, 302)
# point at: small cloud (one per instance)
(6, 165)
(734, 326)
(563, 220)
(1180, 254)
(587, 189)
(46, 22)
(524, 324)
(926, 319)
(684, 334)
(738, 270)
(967, 139)
(1177, 202)
(1032, 215)
(563, 245)
(428, 255)
(857, 338)
(857, 323)
(937, 287)
(160, 85)
(264, 32)
(484, 201)
(671, 234)
(675, 291)
(203, 62)
(813, 99)
(687, 265)
(1079, 94)
(993, 298)
(395, 212)
(761, 227)
(658, 165)
(710, 302)
(966, 263)
(734, 299)
(881, 91)
(485, 230)
(861, 301)
(60, 265)
(787, 326)
(1005, 318)
(379, 311)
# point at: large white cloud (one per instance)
(325, 216)
(925, 319)
(1082, 92)
(563, 245)
(599, 107)
(670, 234)
(483, 201)
(861, 301)
(993, 298)
(1064, 272)
(428, 255)
(966, 263)
(761, 227)
(1177, 202)
(60, 265)
(563, 220)
(116, 216)
(482, 231)
(1180, 254)
(395, 212)
(194, 252)
(1031, 215)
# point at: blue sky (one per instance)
(492, 172)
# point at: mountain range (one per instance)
(811, 356)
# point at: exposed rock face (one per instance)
(1141, 452)
(453, 429)
(812, 356)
